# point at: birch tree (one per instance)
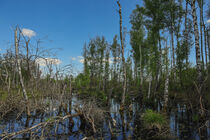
(19, 69)
(123, 58)
(197, 43)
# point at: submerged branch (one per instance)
(40, 125)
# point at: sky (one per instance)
(65, 24)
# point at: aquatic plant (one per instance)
(154, 119)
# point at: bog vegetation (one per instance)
(160, 70)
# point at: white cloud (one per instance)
(80, 57)
(81, 60)
(73, 58)
(45, 61)
(208, 21)
(29, 33)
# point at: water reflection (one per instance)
(118, 125)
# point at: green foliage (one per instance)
(154, 119)
(195, 117)
(186, 81)
(148, 101)
(29, 94)
(50, 119)
(3, 95)
(101, 96)
(82, 81)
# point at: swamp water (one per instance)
(180, 123)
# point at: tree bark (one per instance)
(202, 24)
(166, 80)
(205, 44)
(173, 50)
(149, 89)
(122, 52)
(208, 43)
(18, 65)
(158, 64)
(28, 61)
(201, 31)
(20, 73)
(197, 45)
(70, 86)
(141, 68)
(186, 30)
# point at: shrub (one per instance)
(153, 119)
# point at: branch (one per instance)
(10, 135)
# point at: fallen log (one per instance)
(27, 130)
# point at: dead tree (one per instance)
(19, 69)
(122, 53)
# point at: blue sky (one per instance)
(68, 24)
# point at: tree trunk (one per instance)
(28, 61)
(197, 48)
(197, 45)
(208, 43)
(19, 67)
(158, 64)
(201, 31)
(186, 30)
(19, 71)
(123, 59)
(149, 89)
(205, 32)
(166, 90)
(205, 44)
(166, 80)
(70, 86)
(173, 50)
(141, 69)
(136, 73)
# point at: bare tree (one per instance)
(19, 69)
(18, 63)
(122, 52)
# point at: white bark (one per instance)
(141, 70)
(18, 65)
(149, 91)
(167, 79)
(122, 52)
(197, 44)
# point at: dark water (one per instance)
(180, 123)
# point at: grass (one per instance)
(154, 119)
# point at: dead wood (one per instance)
(38, 126)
